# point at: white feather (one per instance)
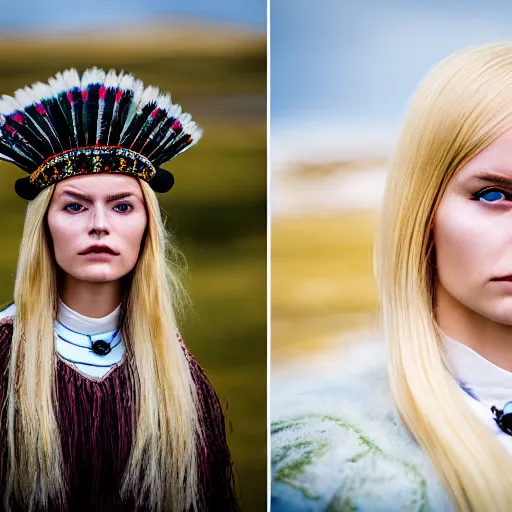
(71, 78)
(112, 78)
(138, 90)
(149, 95)
(8, 105)
(164, 101)
(92, 76)
(174, 111)
(41, 91)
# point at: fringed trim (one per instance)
(215, 467)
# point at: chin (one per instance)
(100, 275)
(501, 313)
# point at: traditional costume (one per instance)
(338, 443)
(102, 123)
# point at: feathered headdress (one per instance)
(102, 122)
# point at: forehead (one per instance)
(495, 157)
(100, 185)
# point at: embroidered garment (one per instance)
(96, 419)
(338, 443)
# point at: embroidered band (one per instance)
(92, 159)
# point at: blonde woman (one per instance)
(104, 408)
(429, 430)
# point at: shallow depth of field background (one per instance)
(341, 75)
(214, 64)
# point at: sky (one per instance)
(343, 70)
(23, 15)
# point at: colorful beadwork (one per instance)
(90, 160)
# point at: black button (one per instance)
(101, 347)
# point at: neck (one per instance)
(492, 340)
(94, 300)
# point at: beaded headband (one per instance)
(99, 123)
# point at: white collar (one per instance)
(75, 333)
(86, 324)
(490, 383)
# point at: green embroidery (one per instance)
(311, 450)
(278, 426)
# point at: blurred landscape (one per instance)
(324, 215)
(216, 210)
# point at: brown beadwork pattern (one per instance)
(90, 160)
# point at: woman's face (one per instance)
(106, 210)
(473, 234)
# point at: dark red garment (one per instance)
(96, 419)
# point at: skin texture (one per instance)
(93, 286)
(473, 247)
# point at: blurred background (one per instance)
(212, 58)
(341, 76)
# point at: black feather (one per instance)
(162, 139)
(148, 128)
(90, 113)
(65, 107)
(34, 138)
(19, 144)
(108, 110)
(136, 124)
(58, 121)
(41, 121)
(172, 150)
(76, 102)
(20, 160)
(157, 138)
(119, 117)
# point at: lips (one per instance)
(98, 249)
(506, 278)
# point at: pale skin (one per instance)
(83, 213)
(473, 246)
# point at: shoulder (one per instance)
(7, 311)
(337, 440)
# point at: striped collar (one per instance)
(76, 349)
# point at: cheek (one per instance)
(63, 233)
(131, 235)
(468, 242)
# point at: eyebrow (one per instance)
(83, 197)
(491, 177)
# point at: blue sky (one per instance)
(337, 64)
(30, 14)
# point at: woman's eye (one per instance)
(123, 210)
(492, 196)
(73, 209)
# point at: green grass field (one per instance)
(322, 280)
(216, 210)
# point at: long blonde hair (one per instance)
(463, 105)
(162, 463)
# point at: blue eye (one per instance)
(73, 204)
(123, 204)
(492, 196)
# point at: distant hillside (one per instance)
(179, 36)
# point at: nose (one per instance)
(98, 220)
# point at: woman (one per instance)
(429, 430)
(104, 406)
